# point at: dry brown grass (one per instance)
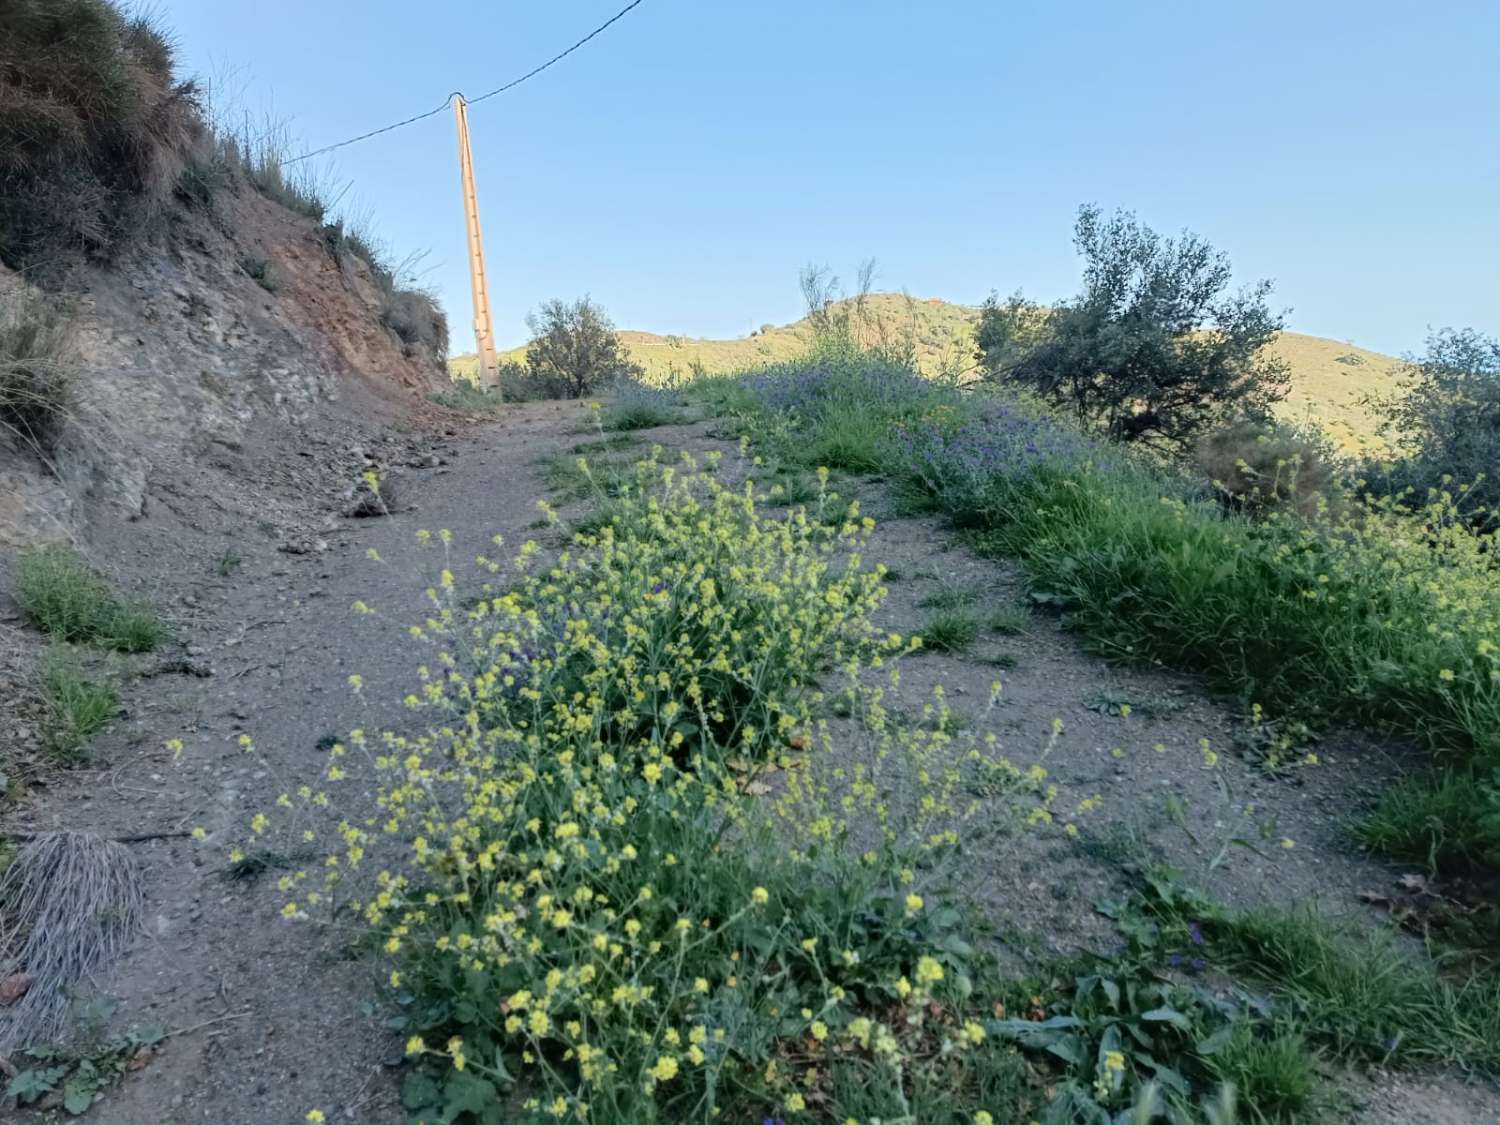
(95, 129)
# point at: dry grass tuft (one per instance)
(69, 904)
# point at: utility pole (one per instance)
(484, 335)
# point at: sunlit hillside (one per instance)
(1329, 378)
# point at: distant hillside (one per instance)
(1328, 377)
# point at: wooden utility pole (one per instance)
(484, 335)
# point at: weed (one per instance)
(635, 406)
(71, 602)
(77, 707)
(951, 630)
(1273, 1072)
(1443, 819)
(229, 562)
(469, 398)
(1358, 994)
(1009, 620)
(952, 597)
(261, 272)
(1001, 658)
(687, 631)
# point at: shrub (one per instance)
(36, 370)
(1153, 350)
(71, 602)
(1262, 467)
(1446, 421)
(414, 316)
(627, 878)
(90, 136)
(576, 345)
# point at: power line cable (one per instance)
(511, 85)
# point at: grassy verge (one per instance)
(1382, 616)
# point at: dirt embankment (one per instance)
(246, 319)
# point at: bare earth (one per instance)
(277, 1018)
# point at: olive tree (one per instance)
(575, 344)
(1155, 348)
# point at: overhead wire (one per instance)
(448, 101)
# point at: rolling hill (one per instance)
(1329, 377)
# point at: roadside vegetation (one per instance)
(661, 811)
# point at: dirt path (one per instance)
(287, 1019)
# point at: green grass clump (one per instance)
(955, 597)
(1009, 620)
(627, 416)
(951, 630)
(1442, 819)
(1358, 994)
(71, 602)
(470, 398)
(1274, 1074)
(77, 707)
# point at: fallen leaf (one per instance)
(757, 788)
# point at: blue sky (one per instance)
(683, 166)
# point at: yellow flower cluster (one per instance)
(649, 695)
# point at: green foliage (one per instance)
(1330, 622)
(81, 1073)
(77, 707)
(261, 272)
(1446, 420)
(1373, 612)
(638, 908)
(575, 344)
(951, 630)
(1358, 994)
(1274, 1072)
(635, 406)
(1009, 620)
(37, 370)
(91, 136)
(1445, 819)
(951, 597)
(1153, 350)
(1124, 1027)
(70, 601)
(471, 399)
